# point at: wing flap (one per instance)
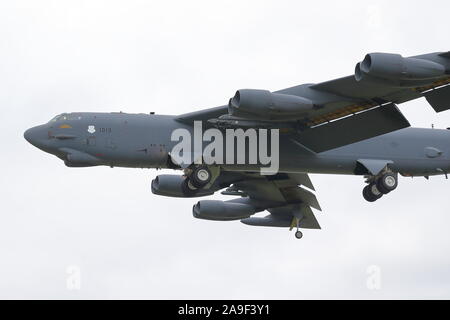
(285, 199)
(439, 98)
(260, 189)
(285, 217)
(308, 219)
(282, 180)
(302, 179)
(382, 120)
(297, 194)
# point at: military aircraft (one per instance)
(346, 126)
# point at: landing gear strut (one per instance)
(379, 186)
(298, 233)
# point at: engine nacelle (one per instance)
(170, 185)
(266, 104)
(222, 210)
(394, 68)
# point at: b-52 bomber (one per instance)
(261, 146)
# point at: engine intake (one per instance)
(264, 104)
(222, 210)
(393, 67)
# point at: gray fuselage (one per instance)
(144, 141)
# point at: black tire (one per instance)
(200, 176)
(387, 183)
(369, 194)
(187, 188)
(299, 235)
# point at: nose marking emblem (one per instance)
(91, 129)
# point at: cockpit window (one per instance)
(55, 118)
(58, 118)
(65, 117)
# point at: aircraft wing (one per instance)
(344, 110)
(202, 115)
(283, 195)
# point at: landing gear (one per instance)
(387, 182)
(200, 176)
(371, 193)
(188, 189)
(299, 234)
(380, 185)
(196, 178)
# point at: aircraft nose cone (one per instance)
(35, 136)
(28, 135)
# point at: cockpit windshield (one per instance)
(65, 117)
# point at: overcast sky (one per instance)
(178, 56)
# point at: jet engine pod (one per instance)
(170, 185)
(265, 104)
(222, 210)
(395, 68)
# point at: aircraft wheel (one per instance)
(371, 193)
(387, 183)
(200, 177)
(299, 235)
(188, 189)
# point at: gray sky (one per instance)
(178, 56)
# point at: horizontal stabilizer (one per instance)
(358, 127)
(439, 99)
